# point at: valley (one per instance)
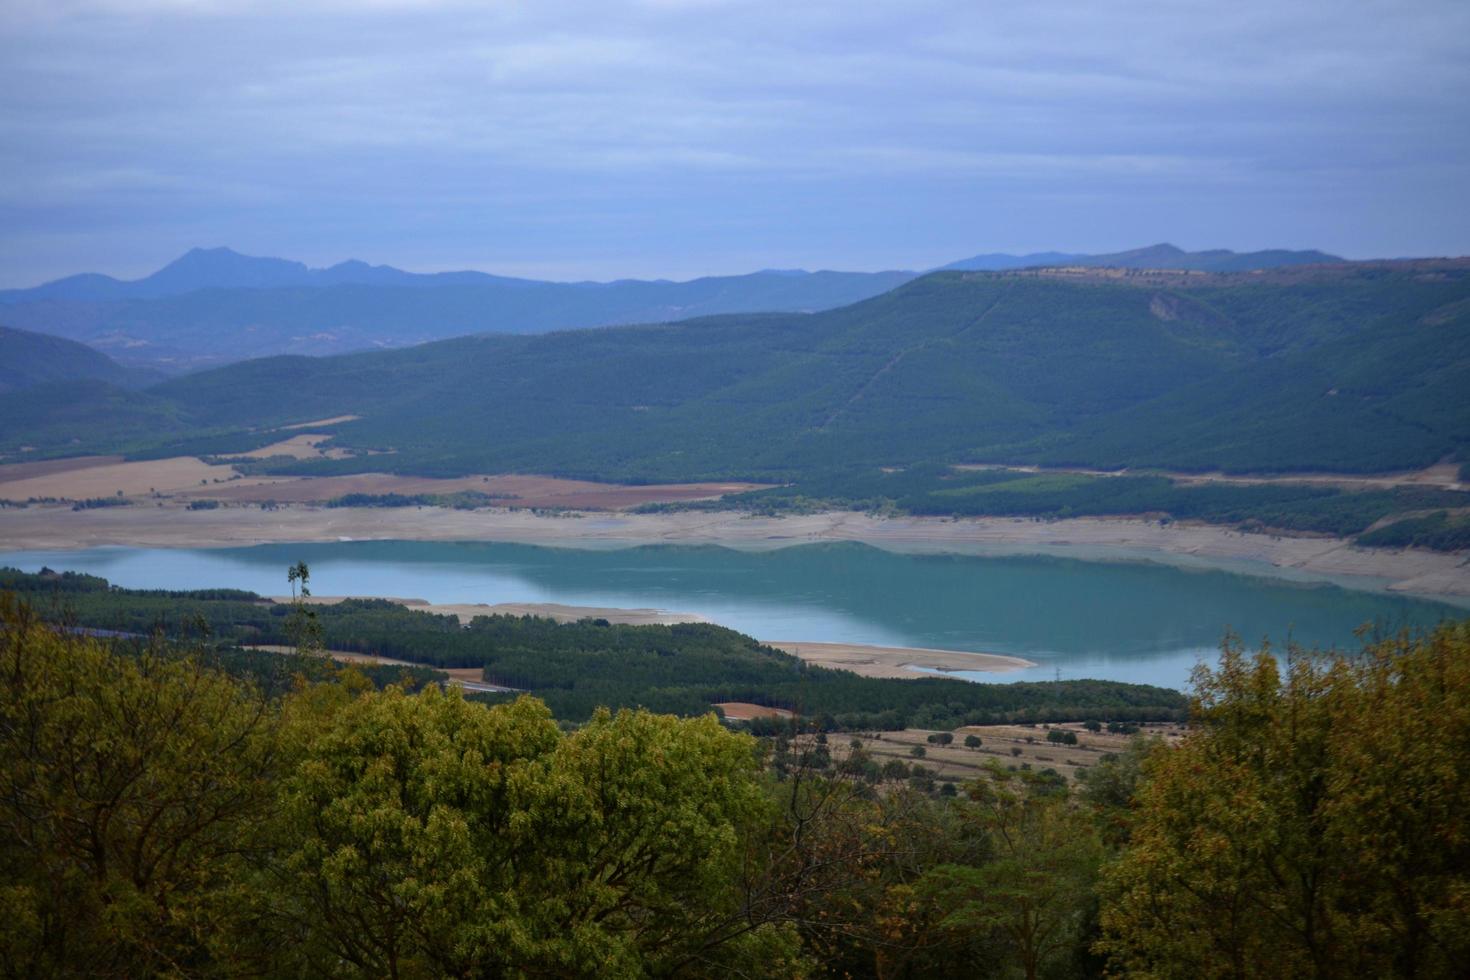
(673, 490)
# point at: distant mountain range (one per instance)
(1162, 256)
(1348, 368)
(214, 306)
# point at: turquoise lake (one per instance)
(1132, 621)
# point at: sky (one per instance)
(677, 138)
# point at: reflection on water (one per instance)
(1124, 621)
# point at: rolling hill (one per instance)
(28, 359)
(1349, 368)
(1161, 256)
(213, 306)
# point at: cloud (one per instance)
(687, 132)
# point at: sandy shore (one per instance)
(871, 661)
(1417, 572)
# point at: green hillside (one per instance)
(29, 359)
(1349, 368)
(215, 306)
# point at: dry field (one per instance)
(514, 490)
(1440, 476)
(106, 476)
(1006, 744)
(311, 425)
(304, 446)
(469, 678)
(189, 478)
(745, 711)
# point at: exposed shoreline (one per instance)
(1408, 571)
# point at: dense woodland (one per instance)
(1351, 369)
(943, 490)
(577, 668)
(164, 818)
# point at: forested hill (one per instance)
(1161, 256)
(1356, 367)
(213, 306)
(29, 359)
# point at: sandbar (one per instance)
(875, 661)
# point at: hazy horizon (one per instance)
(667, 139)
(431, 270)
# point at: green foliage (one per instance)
(301, 622)
(164, 818)
(29, 359)
(1438, 530)
(579, 667)
(1309, 824)
(940, 490)
(92, 503)
(463, 500)
(437, 837)
(129, 790)
(1111, 786)
(1034, 895)
(1357, 370)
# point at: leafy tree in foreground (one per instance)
(129, 789)
(1311, 824)
(430, 836)
(1034, 895)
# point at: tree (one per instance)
(301, 624)
(972, 741)
(1112, 785)
(1033, 896)
(130, 791)
(917, 752)
(432, 835)
(1310, 825)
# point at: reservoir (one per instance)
(1131, 621)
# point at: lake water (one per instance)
(1133, 621)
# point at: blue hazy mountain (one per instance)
(1161, 256)
(212, 306)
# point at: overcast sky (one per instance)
(676, 138)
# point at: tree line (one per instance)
(163, 817)
(578, 667)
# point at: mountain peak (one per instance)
(223, 268)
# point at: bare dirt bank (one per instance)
(871, 661)
(1325, 559)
